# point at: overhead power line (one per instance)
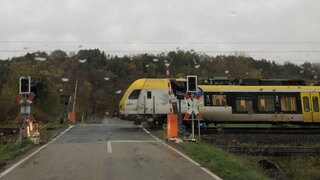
(160, 42)
(159, 51)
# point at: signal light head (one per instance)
(192, 83)
(24, 85)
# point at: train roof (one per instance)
(154, 82)
(268, 88)
(254, 82)
(150, 83)
(268, 85)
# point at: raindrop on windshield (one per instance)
(233, 14)
(118, 92)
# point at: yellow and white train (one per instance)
(152, 99)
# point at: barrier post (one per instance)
(172, 126)
(72, 117)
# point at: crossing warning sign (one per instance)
(192, 106)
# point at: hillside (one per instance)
(102, 79)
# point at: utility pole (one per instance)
(73, 113)
(75, 97)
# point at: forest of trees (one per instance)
(102, 79)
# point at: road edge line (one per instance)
(7, 171)
(109, 147)
(185, 156)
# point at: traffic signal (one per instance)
(24, 85)
(192, 83)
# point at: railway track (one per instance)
(272, 151)
(265, 141)
(261, 131)
(9, 131)
(14, 131)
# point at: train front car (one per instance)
(145, 100)
(128, 102)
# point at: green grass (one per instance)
(223, 164)
(299, 167)
(11, 150)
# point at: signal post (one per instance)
(25, 98)
(192, 97)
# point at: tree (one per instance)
(96, 95)
(84, 99)
(58, 55)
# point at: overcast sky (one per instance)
(280, 30)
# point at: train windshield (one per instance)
(135, 94)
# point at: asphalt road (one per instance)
(115, 150)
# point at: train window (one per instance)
(149, 94)
(288, 103)
(266, 104)
(244, 104)
(135, 94)
(219, 100)
(306, 106)
(207, 100)
(315, 104)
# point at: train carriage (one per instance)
(295, 104)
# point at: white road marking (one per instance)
(32, 154)
(210, 173)
(109, 147)
(145, 129)
(186, 157)
(134, 141)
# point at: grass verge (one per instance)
(11, 150)
(224, 165)
(299, 167)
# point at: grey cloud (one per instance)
(164, 21)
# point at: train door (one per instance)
(315, 106)
(310, 107)
(149, 102)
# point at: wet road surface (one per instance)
(115, 149)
